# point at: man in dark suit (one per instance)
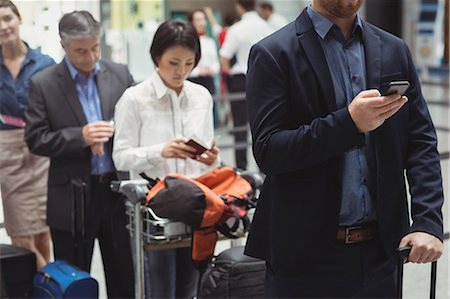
(337, 153)
(68, 119)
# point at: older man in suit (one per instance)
(337, 152)
(69, 120)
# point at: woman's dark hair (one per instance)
(8, 3)
(175, 33)
(248, 5)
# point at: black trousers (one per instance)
(206, 81)
(106, 221)
(359, 270)
(240, 119)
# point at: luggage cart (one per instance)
(151, 232)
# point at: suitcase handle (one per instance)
(79, 196)
(403, 253)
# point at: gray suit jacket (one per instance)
(55, 119)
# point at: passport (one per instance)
(197, 144)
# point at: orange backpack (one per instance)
(205, 204)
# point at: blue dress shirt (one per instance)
(346, 61)
(90, 101)
(14, 93)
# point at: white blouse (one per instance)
(209, 58)
(149, 115)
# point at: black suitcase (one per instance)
(233, 275)
(60, 279)
(403, 253)
(17, 269)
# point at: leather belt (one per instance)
(356, 234)
(104, 178)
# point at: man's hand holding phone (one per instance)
(370, 109)
(96, 134)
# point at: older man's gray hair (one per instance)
(78, 24)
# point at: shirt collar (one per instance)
(249, 14)
(74, 72)
(160, 88)
(322, 25)
(32, 55)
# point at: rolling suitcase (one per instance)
(17, 268)
(403, 253)
(232, 274)
(59, 279)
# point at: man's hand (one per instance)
(97, 132)
(370, 109)
(425, 248)
(177, 148)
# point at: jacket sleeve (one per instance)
(278, 147)
(422, 162)
(39, 136)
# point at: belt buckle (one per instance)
(348, 231)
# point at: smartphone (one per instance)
(392, 87)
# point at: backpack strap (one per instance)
(151, 182)
(228, 231)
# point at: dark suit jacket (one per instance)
(55, 119)
(299, 137)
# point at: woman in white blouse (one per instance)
(154, 120)
(208, 66)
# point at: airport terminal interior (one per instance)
(128, 29)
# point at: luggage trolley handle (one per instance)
(403, 253)
(135, 192)
(79, 191)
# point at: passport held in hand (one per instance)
(195, 143)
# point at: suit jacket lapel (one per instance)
(104, 92)
(309, 41)
(69, 90)
(372, 48)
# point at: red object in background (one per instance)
(12, 121)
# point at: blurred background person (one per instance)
(239, 39)
(220, 31)
(208, 65)
(70, 105)
(266, 11)
(23, 176)
(154, 120)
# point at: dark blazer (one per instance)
(55, 119)
(299, 138)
